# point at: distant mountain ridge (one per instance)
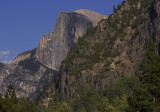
(53, 47)
(27, 75)
(31, 71)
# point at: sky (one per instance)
(23, 22)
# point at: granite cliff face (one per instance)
(94, 17)
(53, 47)
(113, 49)
(27, 75)
(31, 71)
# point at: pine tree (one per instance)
(114, 8)
(118, 7)
(146, 98)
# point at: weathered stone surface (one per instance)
(94, 17)
(53, 47)
(27, 75)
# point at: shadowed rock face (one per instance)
(53, 47)
(27, 75)
(1, 65)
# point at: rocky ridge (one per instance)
(27, 75)
(53, 47)
(31, 71)
(113, 49)
(94, 17)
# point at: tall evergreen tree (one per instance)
(118, 7)
(146, 98)
(114, 8)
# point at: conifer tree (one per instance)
(114, 8)
(146, 98)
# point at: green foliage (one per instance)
(107, 52)
(87, 100)
(133, 2)
(114, 24)
(58, 107)
(126, 18)
(141, 101)
(117, 62)
(12, 104)
(26, 105)
(113, 98)
(125, 86)
(104, 106)
(136, 23)
(146, 3)
(120, 33)
(135, 11)
(84, 100)
(108, 63)
(120, 104)
(146, 97)
(93, 58)
(73, 72)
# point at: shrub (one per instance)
(107, 63)
(117, 62)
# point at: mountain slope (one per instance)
(27, 75)
(113, 49)
(31, 71)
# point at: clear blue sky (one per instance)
(23, 22)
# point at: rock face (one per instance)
(1, 65)
(31, 71)
(27, 75)
(94, 17)
(53, 47)
(113, 49)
